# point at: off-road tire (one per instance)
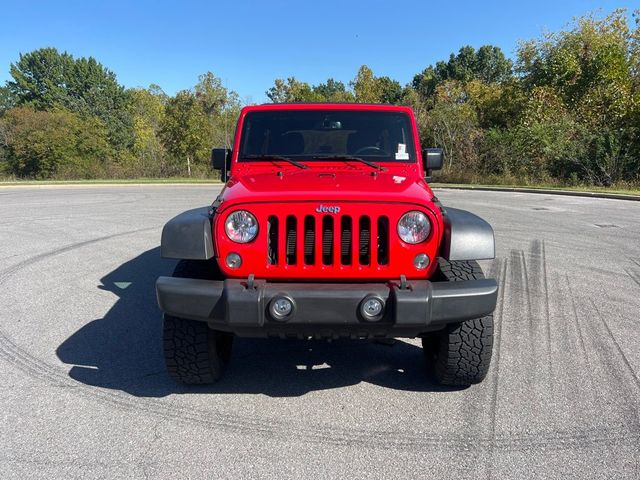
(194, 353)
(460, 354)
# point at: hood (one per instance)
(352, 185)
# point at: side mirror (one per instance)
(433, 159)
(221, 160)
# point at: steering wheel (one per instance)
(371, 150)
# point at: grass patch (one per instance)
(127, 181)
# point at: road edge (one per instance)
(545, 191)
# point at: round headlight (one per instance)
(414, 227)
(241, 226)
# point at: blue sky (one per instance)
(249, 44)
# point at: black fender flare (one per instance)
(466, 236)
(188, 236)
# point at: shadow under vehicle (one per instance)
(122, 351)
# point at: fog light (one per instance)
(372, 308)
(233, 260)
(280, 308)
(421, 261)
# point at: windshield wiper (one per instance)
(350, 157)
(275, 157)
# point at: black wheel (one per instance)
(460, 353)
(193, 353)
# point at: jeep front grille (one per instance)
(328, 240)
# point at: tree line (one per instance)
(565, 110)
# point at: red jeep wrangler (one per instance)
(326, 228)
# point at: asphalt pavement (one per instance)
(84, 394)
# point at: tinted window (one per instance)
(304, 134)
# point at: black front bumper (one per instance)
(326, 310)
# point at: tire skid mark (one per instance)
(52, 253)
(475, 411)
(623, 392)
(634, 276)
(39, 369)
(518, 282)
(583, 348)
(545, 283)
(527, 288)
(583, 386)
(323, 434)
(500, 275)
(539, 314)
(312, 433)
(531, 275)
(619, 350)
(528, 367)
(497, 332)
(539, 308)
(476, 414)
(120, 199)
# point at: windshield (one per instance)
(377, 136)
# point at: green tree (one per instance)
(186, 132)
(591, 70)
(94, 90)
(461, 67)
(330, 88)
(452, 124)
(48, 144)
(366, 87)
(538, 147)
(46, 80)
(146, 107)
(333, 91)
(222, 107)
(7, 99)
(492, 66)
(212, 95)
(40, 77)
(390, 90)
(488, 64)
(496, 104)
(292, 90)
